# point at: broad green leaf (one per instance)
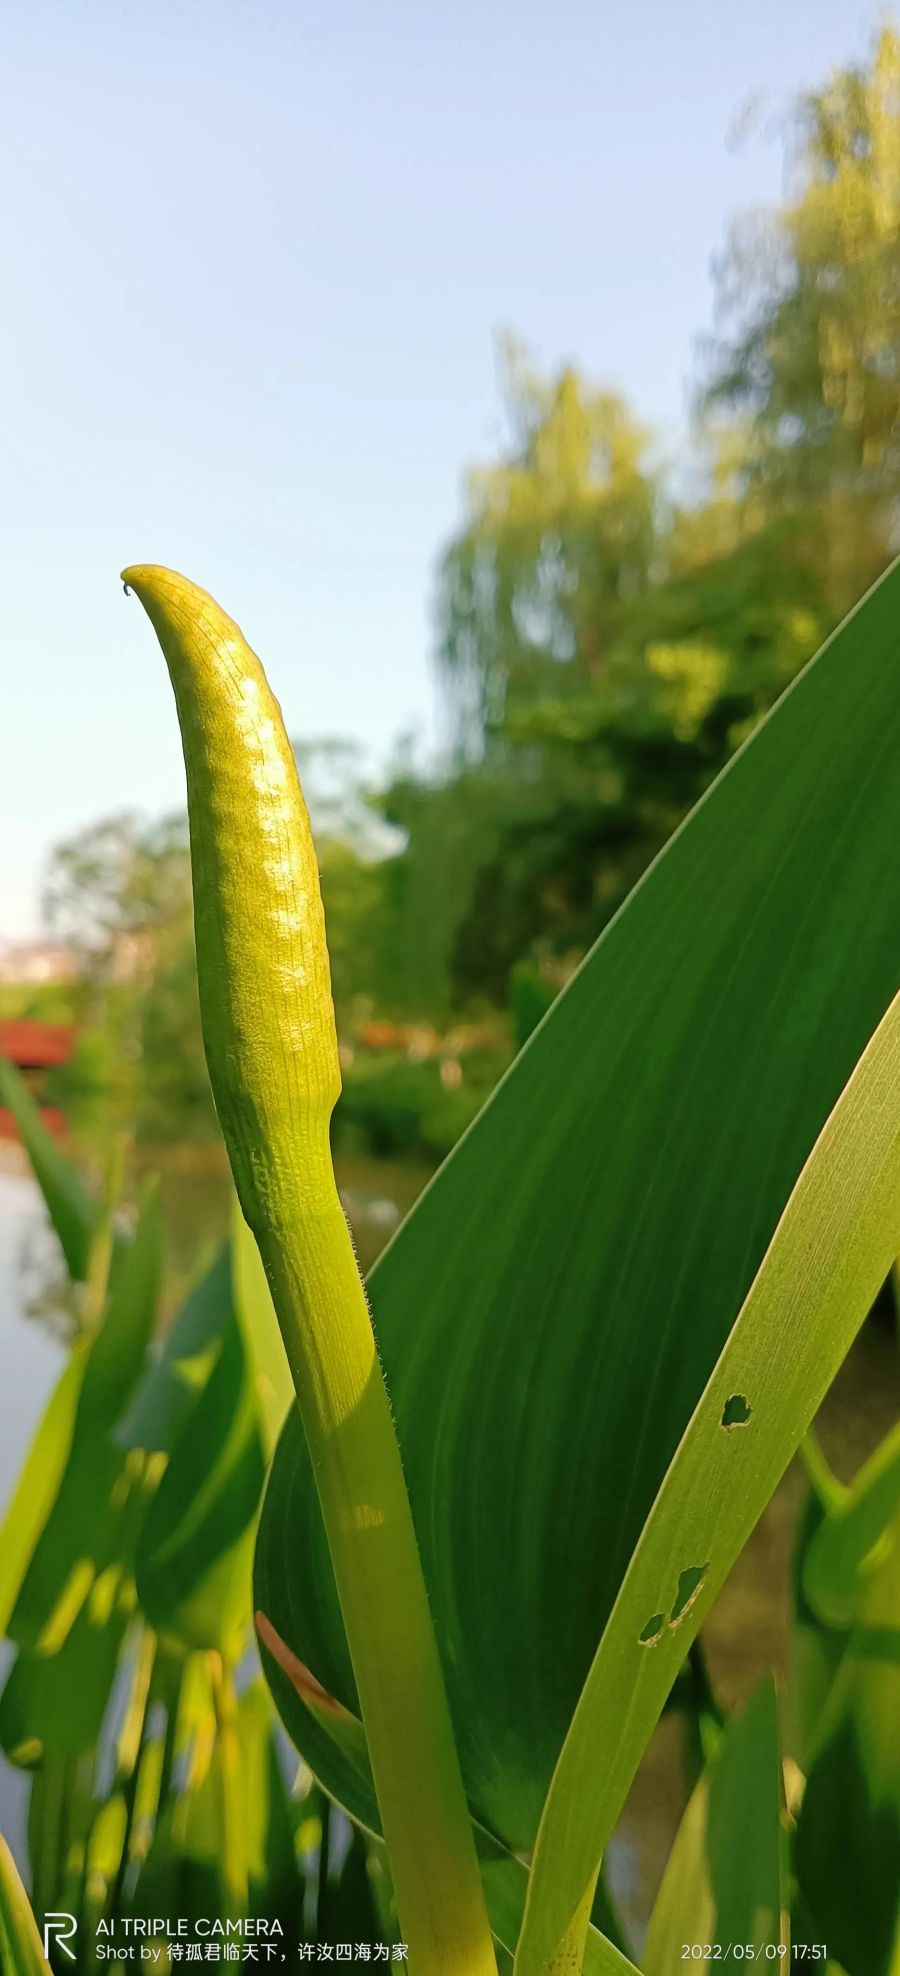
(23, 1953)
(831, 1252)
(74, 1215)
(36, 1489)
(550, 1313)
(194, 1559)
(852, 1541)
(78, 1540)
(847, 1843)
(724, 1880)
(335, 1745)
(174, 1379)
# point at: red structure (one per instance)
(53, 1121)
(36, 1045)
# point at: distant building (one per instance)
(36, 1045)
(30, 963)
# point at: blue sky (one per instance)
(255, 259)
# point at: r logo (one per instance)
(61, 1927)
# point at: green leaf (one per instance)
(549, 1315)
(827, 1260)
(174, 1379)
(724, 1879)
(814, 1651)
(75, 1216)
(55, 1703)
(23, 1953)
(335, 1746)
(847, 1844)
(505, 1881)
(552, 1309)
(852, 1541)
(213, 1400)
(38, 1484)
(194, 1559)
(78, 1542)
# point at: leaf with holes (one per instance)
(830, 1253)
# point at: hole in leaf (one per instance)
(689, 1583)
(736, 1411)
(651, 1632)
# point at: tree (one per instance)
(604, 648)
(111, 888)
(602, 652)
(558, 542)
(120, 893)
(811, 369)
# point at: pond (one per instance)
(746, 1633)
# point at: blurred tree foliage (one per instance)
(603, 645)
(560, 542)
(605, 648)
(812, 296)
(120, 893)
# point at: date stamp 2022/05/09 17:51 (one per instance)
(784, 1952)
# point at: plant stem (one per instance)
(271, 1047)
(347, 1419)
